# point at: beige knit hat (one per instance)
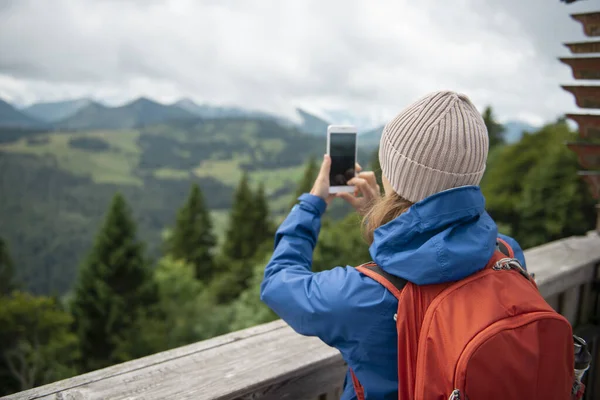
(438, 143)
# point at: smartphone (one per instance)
(341, 147)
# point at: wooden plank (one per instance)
(585, 96)
(584, 47)
(334, 394)
(589, 125)
(586, 304)
(588, 154)
(219, 373)
(145, 362)
(554, 302)
(570, 304)
(565, 263)
(590, 22)
(324, 383)
(583, 67)
(272, 361)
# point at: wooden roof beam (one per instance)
(589, 125)
(590, 22)
(588, 154)
(583, 68)
(584, 47)
(585, 96)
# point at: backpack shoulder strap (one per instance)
(505, 248)
(509, 253)
(392, 283)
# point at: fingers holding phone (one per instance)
(340, 173)
(366, 192)
(321, 185)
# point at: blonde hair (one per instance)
(382, 211)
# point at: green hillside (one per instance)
(104, 156)
(56, 185)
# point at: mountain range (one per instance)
(55, 111)
(140, 112)
(210, 112)
(10, 117)
(86, 114)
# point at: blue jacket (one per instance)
(442, 238)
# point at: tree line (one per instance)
(125, 306)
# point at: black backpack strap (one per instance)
(391, 282)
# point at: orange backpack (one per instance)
(488, 336)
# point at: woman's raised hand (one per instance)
(366, 193)
(321, 185)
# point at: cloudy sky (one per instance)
(370, 58)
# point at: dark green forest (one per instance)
(98, 269)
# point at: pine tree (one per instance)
(263, 228)
(247, 236)
(240, 236)
(192, 239)
(308, 179)
(114, 289)
(495, 130)
(7, 279)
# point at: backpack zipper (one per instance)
(455, 395)
(511, 263)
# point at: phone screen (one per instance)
(342, 150)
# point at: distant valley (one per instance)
(60, 164)
(57, 175)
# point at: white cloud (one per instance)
(370, 58)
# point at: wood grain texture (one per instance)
(553, 301)
(216, 372)
(586, 304)
(563, 264)
(145, 362)
(271, 361)
(570, 304)
(321, 384)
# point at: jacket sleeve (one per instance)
(313, 304)
(519, 255)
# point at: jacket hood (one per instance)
(443, 238)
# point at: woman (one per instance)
(429, 227)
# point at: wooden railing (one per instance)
(271, 361)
